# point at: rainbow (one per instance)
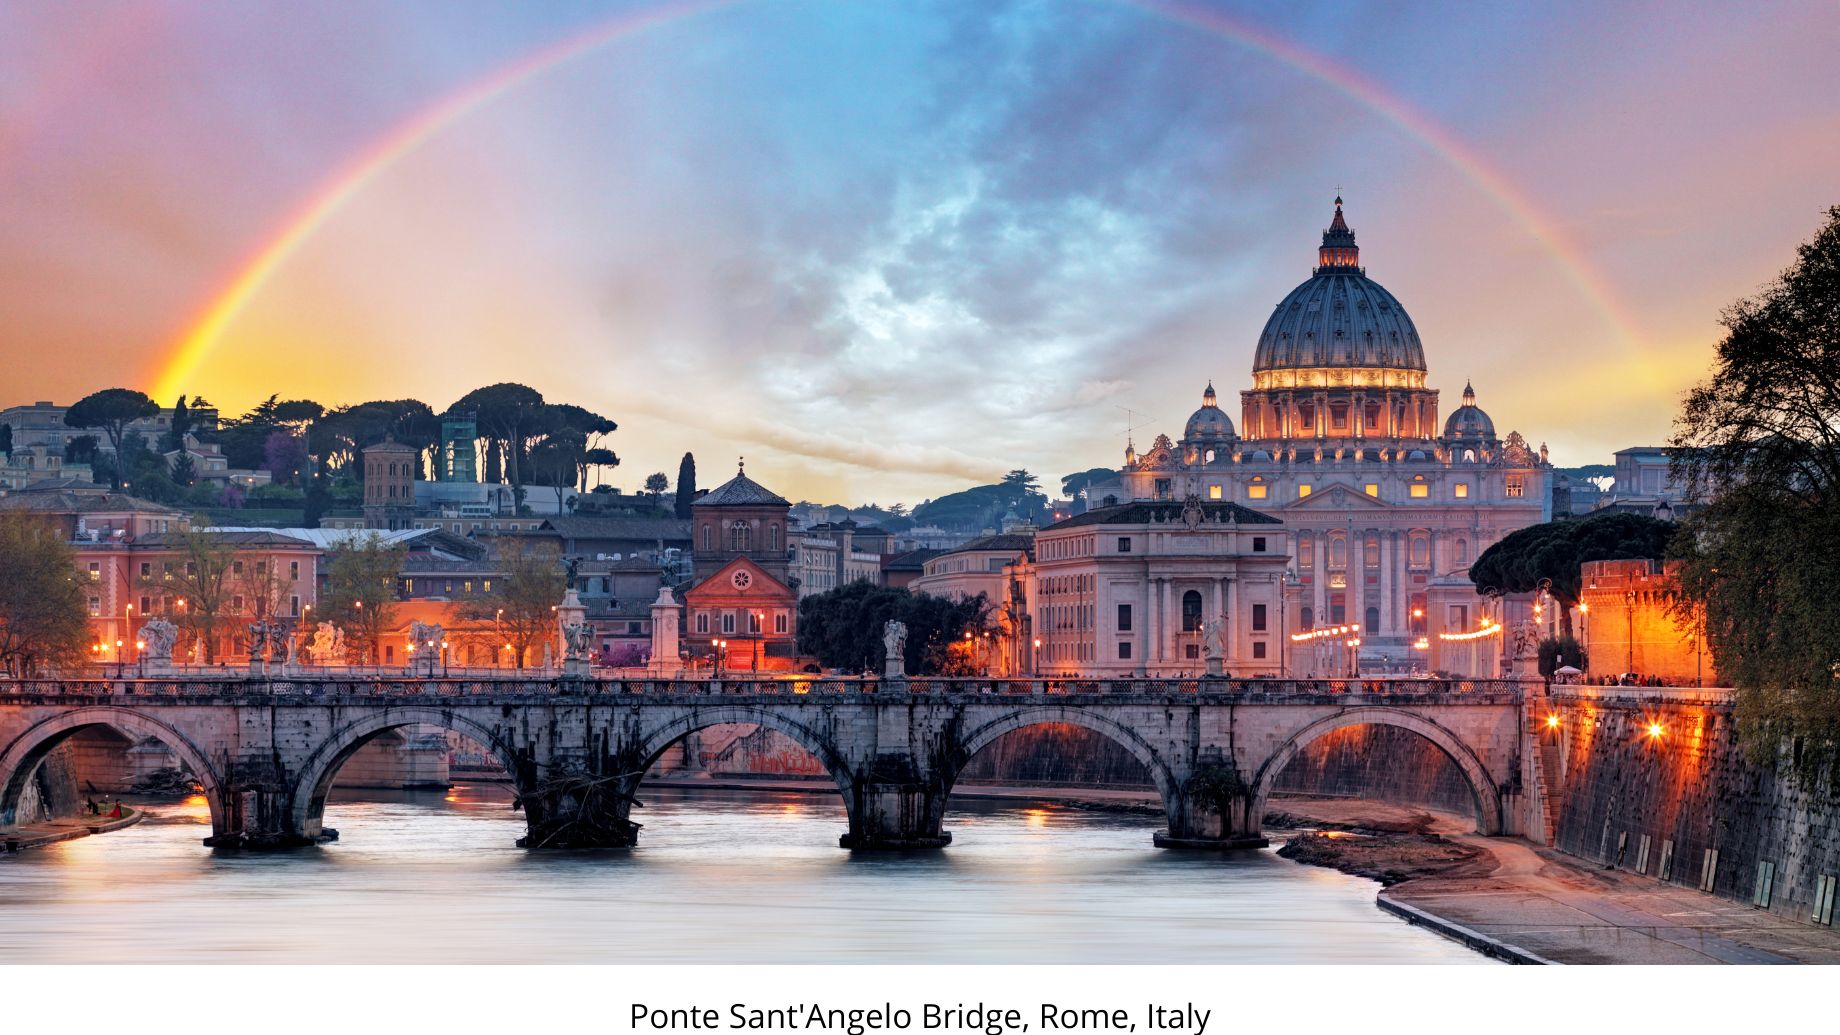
(204, 330)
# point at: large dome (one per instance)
(1339, 318)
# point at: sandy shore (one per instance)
(1545, 903)
(35, 835)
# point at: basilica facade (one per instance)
(1384, 504)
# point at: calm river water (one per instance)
(721, 877)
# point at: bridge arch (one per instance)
(1167, 786)
(29, 749)
(655, 741)
(1481, 784)
(314, 782)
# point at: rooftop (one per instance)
(1144, 512)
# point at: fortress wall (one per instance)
(1690, 792)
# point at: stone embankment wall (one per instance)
(1383, 762)
(1686, 806)
(52, 792)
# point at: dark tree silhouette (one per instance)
(686, 486)
(112, 410)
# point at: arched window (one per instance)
(740, 538)
(1306, 551)
(1307, 618)
(1191, 611)
(1338, 551)
(1373, 621)
(1462, 551)
(1420, 551)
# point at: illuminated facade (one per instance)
(1340, 438)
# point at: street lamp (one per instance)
(760, 634)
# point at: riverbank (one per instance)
(1531, 899)
(36, 835)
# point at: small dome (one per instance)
(1468, 422)
(1210, 422)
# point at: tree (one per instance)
(42, 612)
(1020, 483)
(1558, 652)
(181, 425)
(200, 581)
(507, 415)
(1072, 485)
(1758, 442)
(183, 472)
(1547, 556)
(656, 483)
(285, 455)
(686, 486)
(112, 410)
(360, 592)
(842, 627)
(524, 600)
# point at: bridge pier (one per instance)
(260, 818)
(895, 817)
(1212, 809)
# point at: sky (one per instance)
(885, 250)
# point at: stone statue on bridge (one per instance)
(426, 639)
(578, 637)
(258, 641)
(894, 650)
(159, 635)
(1214, 645)
(328, 644)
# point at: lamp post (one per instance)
(1629, 611)
(760, 637)
(1035, 658)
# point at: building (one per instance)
(138, 560)
(1151, 588)
(1340, 438)
(740, 612)
(980, 566)
(899, 570)
(1626, 624)
(832, 554)
(42, 424)
(389, 485)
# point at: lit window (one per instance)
(1213, 492)
(1419, 489)
(1373, 489)
(1257, 489)
(1462, 490)
(1302, 491)
(1515, 486)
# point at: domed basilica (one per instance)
(1339, 438)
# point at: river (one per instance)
(720, 877)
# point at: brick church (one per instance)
(740, 608)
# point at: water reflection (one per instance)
(720, 877)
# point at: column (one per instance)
(1147, 641)
(1386, 581)
(1319, 581)
(1168, 624)
(1232, 627)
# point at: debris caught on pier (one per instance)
(580, 810)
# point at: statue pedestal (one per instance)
(575, 666)
(1214, 668)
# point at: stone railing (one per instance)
(498, 682)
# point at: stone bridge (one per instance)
(266, 751)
